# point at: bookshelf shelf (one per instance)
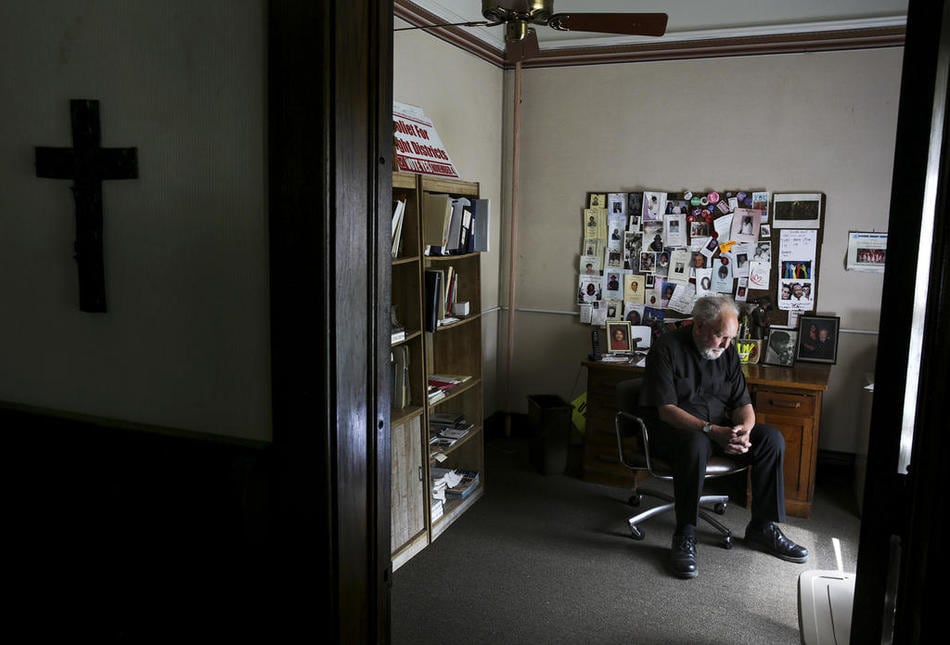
(454, 348)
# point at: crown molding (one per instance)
(888, 32)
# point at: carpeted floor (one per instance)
(549, 559)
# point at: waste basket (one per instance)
(550, 418)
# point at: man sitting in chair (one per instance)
(696, 403)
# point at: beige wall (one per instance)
(186, 340)
(813, 122)
(464, 97)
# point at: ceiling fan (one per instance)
(519, 16)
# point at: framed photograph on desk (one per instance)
(618, 337)
(781, 347)
(818, 339)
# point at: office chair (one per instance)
(628, 423)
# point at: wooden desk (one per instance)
(788, 398)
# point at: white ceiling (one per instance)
(693, 19)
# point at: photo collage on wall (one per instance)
(646, 256)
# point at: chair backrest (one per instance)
(628, 395)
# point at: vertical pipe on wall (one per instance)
(513, 240)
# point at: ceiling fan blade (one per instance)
(527, 47)
(633, 24)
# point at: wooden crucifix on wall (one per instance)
(88, 164)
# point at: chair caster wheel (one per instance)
(727, 542)
(635, 499)
(720, 509)
(636, 533)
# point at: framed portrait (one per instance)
(817, 339)
(780, 347)
(618, 337)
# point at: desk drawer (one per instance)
(787, 403)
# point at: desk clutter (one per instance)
(646, 256)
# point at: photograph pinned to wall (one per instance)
(634, 207)
(596, 200)
(595, 224)
(741, 255)
(746, 223)
(590, 265)
(654, 205)
(594, 247)
(648, 280)
(617, 204)
(613, 258)
(796, 294)
(762, 252)
(589, 289)
(742, 289)
(647, 262)
(684, 295)
(663, 263)
(632, 245)
(613, 289)
(653, 237)
(676, 205)
(759, 275)
(614, 309)
(703, 282)
(699, 228)
(679, 265)
(618, 337)
(796, 257)
(616, 225)
(817, 339)
(674, 230)
(866, 252)
(722, 281)
(633, 288)
(633, 312)
(780, 349)
(760, 202)
(765, 231)
(598, 314)
(797, 210)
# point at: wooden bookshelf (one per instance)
(453, 348)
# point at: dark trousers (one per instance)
(688, 451)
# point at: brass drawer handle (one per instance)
(785, 404)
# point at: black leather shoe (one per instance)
(683, 556)
(771, 540)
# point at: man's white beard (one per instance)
(712, 353)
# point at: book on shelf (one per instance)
(453, 242)
(446, 381)
(449, 424)
(481, 226)
(465, 486)
(433, 286)
(454, 434)
(436, 510)
(401, 384)
(434, 394)
(436, 220)
(465, 234)
(446, 418)
(399, 214)
(441, 442)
